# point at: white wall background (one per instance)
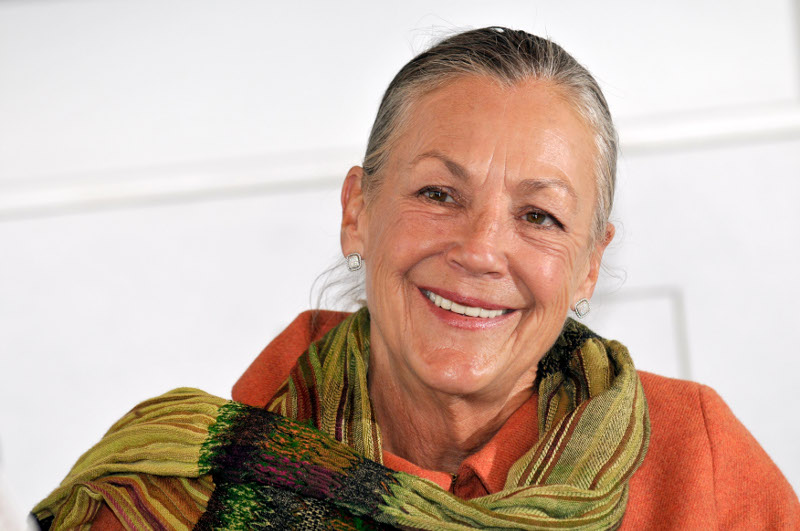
(169, 176)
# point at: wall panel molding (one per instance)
(281, 173)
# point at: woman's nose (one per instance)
(478, 249)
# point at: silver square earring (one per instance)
(582, 307)
(354, 261)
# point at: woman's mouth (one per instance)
(461, 309)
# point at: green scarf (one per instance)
(313, 457)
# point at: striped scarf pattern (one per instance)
(312, 459)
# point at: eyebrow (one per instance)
(528, 185)
(452, 166)
(534, 185)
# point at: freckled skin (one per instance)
(440, 391)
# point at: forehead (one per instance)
(526, 130)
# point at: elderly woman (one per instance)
(461, 396)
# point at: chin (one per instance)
(455, 378)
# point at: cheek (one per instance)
(400, 237)
(549, 282)
(547, 272)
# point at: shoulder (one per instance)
(703, 467)
(682, 412)
(677, 410)
(664, 388)
(674, 403)
(271, 368)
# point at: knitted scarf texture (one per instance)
(313, 458)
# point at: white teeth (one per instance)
(470, 311)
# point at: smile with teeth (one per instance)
(470, 311)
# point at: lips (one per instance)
(479, 311)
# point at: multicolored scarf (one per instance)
(312, 458)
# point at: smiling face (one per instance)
(478, 239)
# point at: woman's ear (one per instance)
(353, 213)
(586, 288)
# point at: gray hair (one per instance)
(509, 56)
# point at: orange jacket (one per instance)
(703, 469)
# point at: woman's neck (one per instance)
(431, 429)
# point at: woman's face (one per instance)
(485, 206)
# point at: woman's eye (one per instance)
(435, 194)
(537, 217)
